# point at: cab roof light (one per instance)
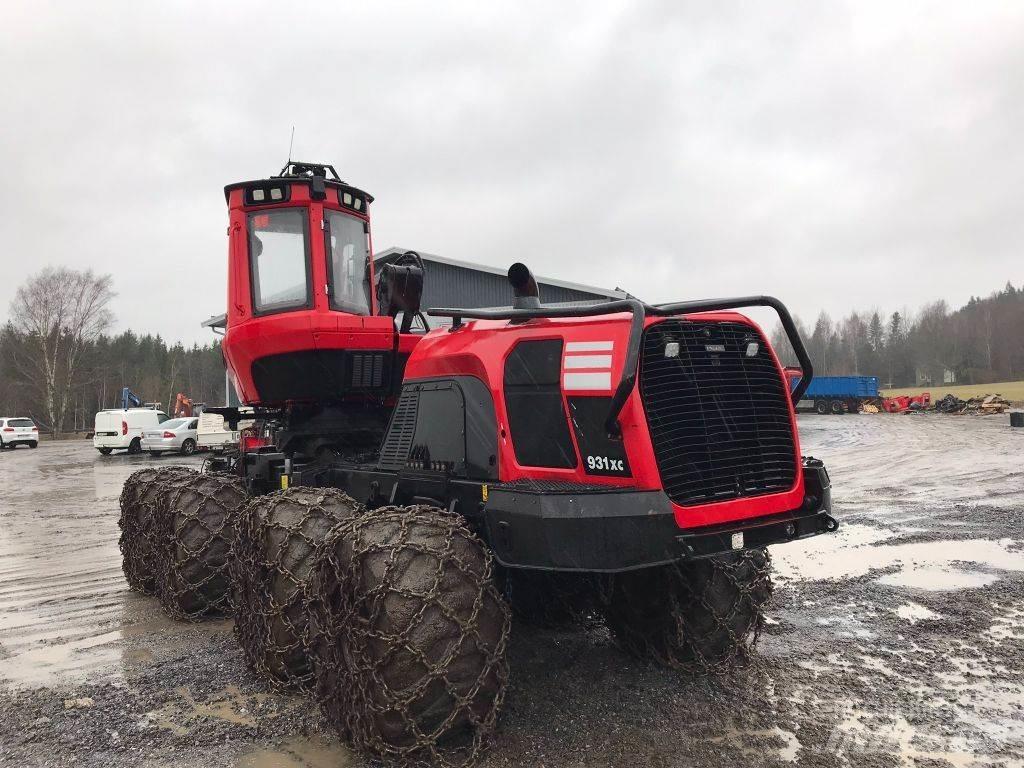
(266, 193)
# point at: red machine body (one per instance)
(481, 348)
(603, 437)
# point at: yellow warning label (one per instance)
(483, 492)
(284, 482)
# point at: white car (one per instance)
(177, 435)
(18, 430)
(118, 429)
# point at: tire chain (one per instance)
(139, 540)
(195, 524)
(276, 538)
(707, 614)
(408, 636)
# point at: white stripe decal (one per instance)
(588, 361)
(589, 346)
(575, 381)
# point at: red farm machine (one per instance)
(624, 460)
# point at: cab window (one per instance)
(347, 257)
(279, 260)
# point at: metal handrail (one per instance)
(640, 310)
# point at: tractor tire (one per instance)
(838, 409)
(196, 529)
(275, 540)
(141, 496)
(550, 600)
(408, 635)
(703, 615)
(821, 407)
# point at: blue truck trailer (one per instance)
(836, 394)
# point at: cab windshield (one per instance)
(347, 256)
(279, 260)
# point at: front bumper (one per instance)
(599, 529)
(161, 444)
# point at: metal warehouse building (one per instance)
(454, 283)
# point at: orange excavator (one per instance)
(183, 406)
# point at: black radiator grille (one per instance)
(717, 411)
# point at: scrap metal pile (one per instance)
(987, 404)
(983, 405)
(395, 618)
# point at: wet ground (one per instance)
(898, 641)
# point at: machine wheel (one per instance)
(837, 407)
(188, 447)
(135, 446)
(142, 499)
(702, 615)
(276, 537)
(547, 599)
(105, 451)
(821, 407)
(33, 444)
(852, 406)
(408, 635)
(196, 533)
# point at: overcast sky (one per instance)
(837, 155)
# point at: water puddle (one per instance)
(299, 753)
(858, 550)
(937, 579)
(915, 612)
(229, 705)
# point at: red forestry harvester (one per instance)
(606, 437)
(629, 451)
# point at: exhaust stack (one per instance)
(524, 287)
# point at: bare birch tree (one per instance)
(59, 312)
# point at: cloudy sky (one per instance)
(837, 155)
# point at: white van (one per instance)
(118, 429)
(213, 432)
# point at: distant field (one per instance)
(1011, 390)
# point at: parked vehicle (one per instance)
(214, 433)
(18, 430)
(176, 435)
(835, 394)
(118, 429)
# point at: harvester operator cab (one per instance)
(304, 323)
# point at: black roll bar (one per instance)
(640, 310)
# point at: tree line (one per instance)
(980, 343)
(59, 364)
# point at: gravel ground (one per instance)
(898, 641)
